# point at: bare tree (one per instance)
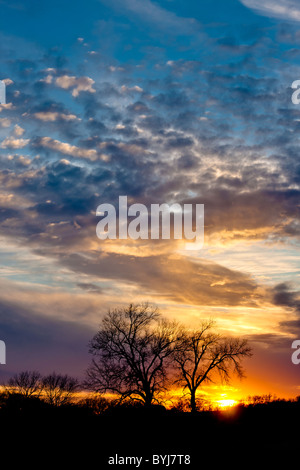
(131, 352)
(59, 389)
(203, 354)
(27, 383)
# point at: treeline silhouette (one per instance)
(262, 429)
(62, 397)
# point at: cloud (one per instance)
(5, 122)
(48, 79)
(282, 9)
(14, 143)
(201, 283)
(90, 287)
(18, 130)
(159, 17)
(156, 147)
(6, 106)
(125, 89)
(67, 149)
(283, 295)
(77, 84)
(8, 81)
(51, 116)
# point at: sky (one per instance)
(164, 102)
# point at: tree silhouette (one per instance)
(27, 383)
(131, 353)
(203, 353)
(59, 389)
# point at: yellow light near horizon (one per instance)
(226, 403)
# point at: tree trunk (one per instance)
(148, 396)
(148, 400)
(193, 401)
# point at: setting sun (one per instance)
(226, 403)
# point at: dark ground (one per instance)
(37, 434)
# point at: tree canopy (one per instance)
(131, 353)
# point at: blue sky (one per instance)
(164, 101)
(47, 23)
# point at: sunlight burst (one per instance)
(226, 403)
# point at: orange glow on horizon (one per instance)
(226, 403)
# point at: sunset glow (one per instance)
(226, 403)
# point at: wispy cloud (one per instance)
(68, 149)
(283, 9)
(159, 17)
(49, 116)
